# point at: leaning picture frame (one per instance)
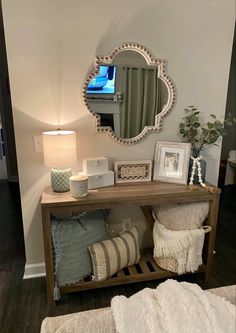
(133, 171)
(171, 162)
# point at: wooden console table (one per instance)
(138, 194)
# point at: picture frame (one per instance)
(133, 171)
(171, 162)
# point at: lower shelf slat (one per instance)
(143, 265)
(120, 274)
(152, 261)
(147, 274)
(132, 270)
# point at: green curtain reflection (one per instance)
(141, 102)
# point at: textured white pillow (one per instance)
(182, 216)
(110, 256)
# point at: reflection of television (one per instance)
(104, 82)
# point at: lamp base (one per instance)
(60, 180)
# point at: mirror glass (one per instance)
(128, 93)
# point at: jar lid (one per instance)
(79, 177)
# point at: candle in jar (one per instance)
(79, 185)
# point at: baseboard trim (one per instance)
(34, 270)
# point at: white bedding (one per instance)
(101, 320)
(93, 321)
(173, 307)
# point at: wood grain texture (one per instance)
(126, 194)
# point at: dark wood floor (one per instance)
(23, 306)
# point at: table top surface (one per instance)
(129, 192)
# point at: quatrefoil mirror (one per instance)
(129, 93)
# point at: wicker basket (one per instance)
(170, 264)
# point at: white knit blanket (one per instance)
(173, 307)
(183, 245)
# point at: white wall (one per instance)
(50, 47)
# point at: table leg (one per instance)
(212, 221)
(48, 255)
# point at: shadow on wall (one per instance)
(126, 26)
(146, 15)
(29, 123)
(32, 163)
(35, 176)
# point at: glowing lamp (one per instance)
(60, 155)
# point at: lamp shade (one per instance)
(59, 149)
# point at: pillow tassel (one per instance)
(56, 293)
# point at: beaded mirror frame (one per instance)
(151, 61)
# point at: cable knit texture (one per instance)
(173, 307)
(182, 216)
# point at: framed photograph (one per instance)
(133, 171)
(172, 162)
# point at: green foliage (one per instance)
(200, 136)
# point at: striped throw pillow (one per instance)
(110, 256)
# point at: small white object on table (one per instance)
(79, 185)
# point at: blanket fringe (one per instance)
(171, 248)
(193, 264)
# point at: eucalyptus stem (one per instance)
(201, 136)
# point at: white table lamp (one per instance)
(59, 148)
